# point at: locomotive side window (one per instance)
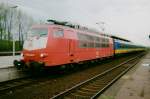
(88, 41)
(58, 33)
(105, 42)
(97, 45)
(85, 41)
(82, 37)
(83, 44)
(97, 42)
(82, 40)
(97, 39)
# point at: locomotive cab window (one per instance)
(58, 33)
(41, 32)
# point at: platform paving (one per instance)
(133, 85)
(7, 61)
(11, 73)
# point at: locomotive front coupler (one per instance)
(19, 64)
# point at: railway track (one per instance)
(15, 83)
(17, 86)
(93, 87)
(10, 86)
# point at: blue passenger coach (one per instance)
(122, 46)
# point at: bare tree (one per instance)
(14, 21)
(24, 23)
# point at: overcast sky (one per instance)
(126, 18)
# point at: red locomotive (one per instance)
(61, 43)
(55, 44)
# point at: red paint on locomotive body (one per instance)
(63, 45)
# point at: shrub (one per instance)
(6, 46)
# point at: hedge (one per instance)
(6, 45)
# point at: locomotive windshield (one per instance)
(38, 32)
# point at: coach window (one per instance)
(58, 33)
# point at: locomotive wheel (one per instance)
(66, 68)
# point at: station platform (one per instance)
(7, 61)
(135, 84)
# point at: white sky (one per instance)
(125, 18)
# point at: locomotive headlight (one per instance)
(21, 55)
(42, 55)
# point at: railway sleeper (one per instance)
(89, 89)
(77, 96)
(86, 92)
(83, 93)
(100, 82)
(95, 86)
(98, 85)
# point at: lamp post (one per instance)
(13, 7)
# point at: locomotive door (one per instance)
(71, 45)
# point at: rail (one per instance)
(14, 83)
